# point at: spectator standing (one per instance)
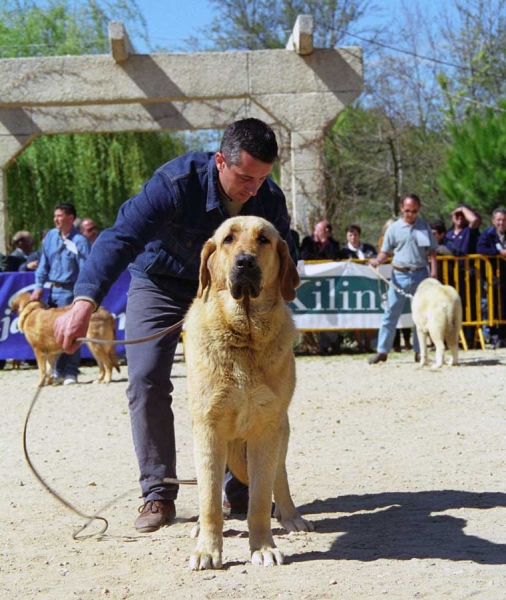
(439, 231)
(462, 240)
(413, 246)
(22, 243)
(64, 252)
(88, 228)
(492, 242)
(321, 245)
(32, 262)
(160, 233)
(355, 249)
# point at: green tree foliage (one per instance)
(94, 172)
(60, 27)
(474, 171)
(97, 173)
(371, 162)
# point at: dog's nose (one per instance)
(246, 262)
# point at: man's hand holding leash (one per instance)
(73, 325)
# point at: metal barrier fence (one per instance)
(481, 283)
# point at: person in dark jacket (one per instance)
(492, 242)
(354, 248)
(321, 245)
(159, 235)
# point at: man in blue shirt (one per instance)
(159, 234)
(412, 243)
(64, 252)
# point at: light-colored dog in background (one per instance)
(239, 336)
(37, 322)
(437, 312)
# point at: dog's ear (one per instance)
(205, 275)
(288, 276)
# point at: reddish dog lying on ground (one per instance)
(37, 322)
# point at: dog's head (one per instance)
(247, 255)
(23, 305)
(19, 302)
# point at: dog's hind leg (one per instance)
(237, 461)
(437, 337)
(285, 510)
(41, 364)
(422, 341)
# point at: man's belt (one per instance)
(406, 269)
(57, 284)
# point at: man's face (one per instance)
(89, 230)
(499, 222)
(322, 231)
(240, 182)
(459, 219)
(62, 220)
(353, 238)
(439, 236)
(409, 210)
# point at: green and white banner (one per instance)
(342, 295)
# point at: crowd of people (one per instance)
(462, 239)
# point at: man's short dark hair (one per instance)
(67, 208)
(354, 228)
(438, 225)
(412, 197)
(252, 136)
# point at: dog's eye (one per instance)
(263, 240)
(229, 239)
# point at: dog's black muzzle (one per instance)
(245, 276)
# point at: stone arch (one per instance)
(299, 91)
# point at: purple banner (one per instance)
(13, 343)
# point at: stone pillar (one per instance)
(307, 176)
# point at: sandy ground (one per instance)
(402, 471)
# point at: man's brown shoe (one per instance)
(379, 357)
(155, 514)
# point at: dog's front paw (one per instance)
(267, 557)
(201, 561)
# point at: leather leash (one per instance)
(96, 516)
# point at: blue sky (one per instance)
(171, 21)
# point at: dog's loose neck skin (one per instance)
(248, 322)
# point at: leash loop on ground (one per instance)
(47, 487)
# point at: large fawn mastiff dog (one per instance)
(241, 376)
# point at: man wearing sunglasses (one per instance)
(412, 245)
